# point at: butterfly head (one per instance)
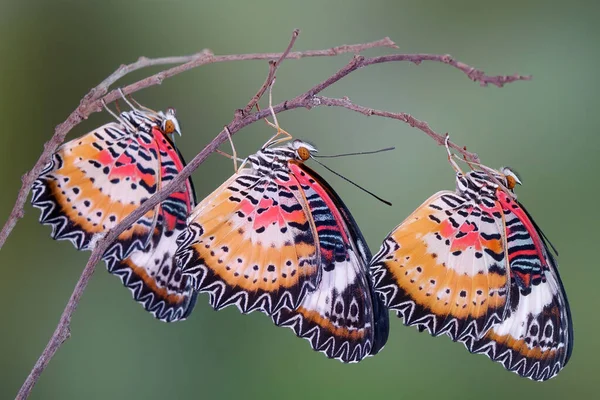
(511, 178)
(169, 124)
(277, 158)
(303, 150)
(505, 176)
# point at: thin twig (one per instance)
(273, 67)
(404, 117)
(476, 75)
(91, 101)
(307, 100)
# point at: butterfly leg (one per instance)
(117, 106)
(489, 171)
(134, 104)
(234, 157)
(469, 163)
(131, 103)
(117, 117)
(273, 140)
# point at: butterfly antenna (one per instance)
(353, 183)
(356, 154)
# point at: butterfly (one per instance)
(276, 238)
(473, 264)
(93, 182)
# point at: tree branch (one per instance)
(308, 100)
(91, 102)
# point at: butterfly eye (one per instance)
(512, 179)
(511, 182)
(169, 127)
(303, 153)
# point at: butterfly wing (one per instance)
(92, 183)
(252, 244)
(443, 269)
(155, 281)
(151, 273)
(343, 317)
(535, 339)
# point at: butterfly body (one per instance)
(92, 183)
(276, 238)
(472, 264)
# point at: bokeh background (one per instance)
(52, 52)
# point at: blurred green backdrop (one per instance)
(52, 52)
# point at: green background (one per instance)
(52, 52)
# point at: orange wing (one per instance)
(444, 269)
(250, 243)
(92, 183)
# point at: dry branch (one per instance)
(91, 102)
(309, 99)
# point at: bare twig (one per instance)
(308, 100)
(404, 117)
(91, 101)
(273, 67)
